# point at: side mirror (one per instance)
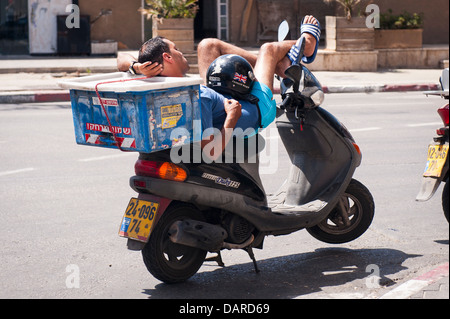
(294, 73)
(283, 31)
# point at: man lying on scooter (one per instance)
(233, 88)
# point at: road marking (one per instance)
(366, 129)
(17, 171)
(425, 124)
(107, 157)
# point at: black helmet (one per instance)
(230, 74)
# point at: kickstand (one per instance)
(217, 259)
(252, 256)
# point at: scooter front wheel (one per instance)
(350, 218)
(445, 199)
(167, 261)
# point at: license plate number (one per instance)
(437, 155)
(138, 219)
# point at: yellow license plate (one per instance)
(437, 155)
(138, 219)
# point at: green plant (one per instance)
(168, 9)
(405, 20)
(349, 6)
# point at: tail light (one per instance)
(443, 112)
(163, 170)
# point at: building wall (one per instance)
(124, 24)
(436, 12)
(436, 15)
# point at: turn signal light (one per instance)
(163, 170)
(172, 172)
(357, 148)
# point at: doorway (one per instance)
(13, 27)
(205, 23)
(211, 20)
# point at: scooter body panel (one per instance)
(320, 158)
(322, 165)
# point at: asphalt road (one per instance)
(61, 205)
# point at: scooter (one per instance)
(436, 169)
(187, 209)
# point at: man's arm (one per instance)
(124, 60)
(149, 69)
(213, 143)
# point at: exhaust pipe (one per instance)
(198, 234)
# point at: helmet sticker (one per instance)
(240, 77)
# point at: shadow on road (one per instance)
(286, 276)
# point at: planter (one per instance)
(345, 35)
(398, 39)
(109, 47)
(180, 31)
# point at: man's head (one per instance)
(164, 52)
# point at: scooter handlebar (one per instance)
(286, 102)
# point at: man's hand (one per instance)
(234, 111)
(148, 69)
(213, 146)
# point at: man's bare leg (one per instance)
(272, 55)
(271, 59)
(210, 49)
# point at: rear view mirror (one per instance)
(283, 31)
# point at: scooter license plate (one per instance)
(437, 155)
(138, 219)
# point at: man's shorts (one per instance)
(267, 104)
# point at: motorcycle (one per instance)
(185, 210)
(436, 169)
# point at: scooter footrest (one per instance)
(285, 209)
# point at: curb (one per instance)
(380, 88)
(413, 286)
(64, 96)
(34, 97)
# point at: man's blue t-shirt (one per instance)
(214, 115)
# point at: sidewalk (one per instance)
(433, 284)
(27, 79)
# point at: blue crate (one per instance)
(146, 115)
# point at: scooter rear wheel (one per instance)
(167, 261)
(350, 218)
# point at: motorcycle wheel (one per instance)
(167, 261)
(350, 218)
(445, 196)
